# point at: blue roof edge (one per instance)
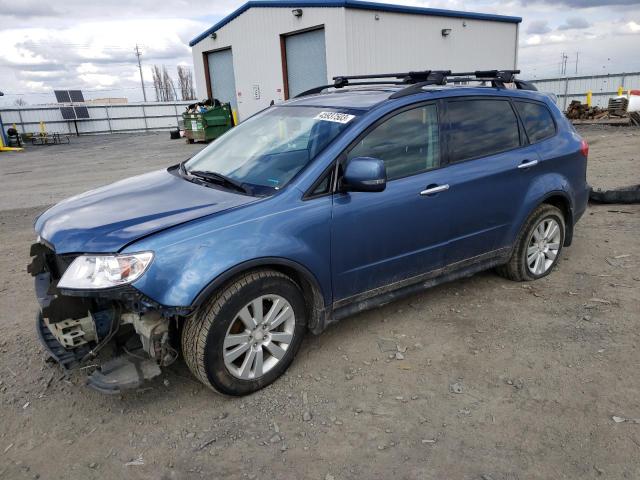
(356, 4)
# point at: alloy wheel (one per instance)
(258, 337)
(543, 246)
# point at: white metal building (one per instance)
(273, 50)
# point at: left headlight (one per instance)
(89, 272)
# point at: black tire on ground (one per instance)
(516, 268)
(204, 332)
(623, 195)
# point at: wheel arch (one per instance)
(558, 198)
(314, 296)
(561, 200)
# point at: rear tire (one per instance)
(537, 247)
(247, 334)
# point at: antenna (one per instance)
(139, 54)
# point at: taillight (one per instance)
(584, 148)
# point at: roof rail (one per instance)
(415, 80)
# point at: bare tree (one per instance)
(163, 84)
(185, 83)
(20, 102)
(169, 87)
(157, 82)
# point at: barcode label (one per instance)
(335, 117)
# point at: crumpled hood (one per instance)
(110, 217)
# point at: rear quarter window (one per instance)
(481, 127)
(537, 120)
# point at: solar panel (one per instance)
(81, 112)
(76, 96)
(68, 113)
(62, 96)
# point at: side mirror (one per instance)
(364, 174)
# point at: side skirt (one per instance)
(389, 293)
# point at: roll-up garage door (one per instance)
(222, 78)
(306, 61)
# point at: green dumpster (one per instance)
(208, 125)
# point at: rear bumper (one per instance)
(581, 202)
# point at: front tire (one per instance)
(247, 335)
(538, 246)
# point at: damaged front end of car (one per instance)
(89, 312)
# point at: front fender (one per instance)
(189, 258)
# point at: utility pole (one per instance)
(563, 65)
(577, 53)
(139, 54)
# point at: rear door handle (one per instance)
(436, 189)
(528, 163)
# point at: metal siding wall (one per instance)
(603, 87)
(306, 61)
(9, 117)
(400, 42)
(355, 43)
(103, 119)
(255, 38)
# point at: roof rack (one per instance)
(415, 80)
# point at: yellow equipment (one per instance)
(8, 149)
(2, 146)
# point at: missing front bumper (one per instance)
(126, 372)
(116, 375)
(68, 359)
(125, 333)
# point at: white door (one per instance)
(223, 80)
(306, 61)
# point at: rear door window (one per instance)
(537, 121)
(481, 127)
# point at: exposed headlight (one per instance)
(89, 272)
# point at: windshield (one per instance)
(270, 148)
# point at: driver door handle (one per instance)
(528, 163)
(430, 190)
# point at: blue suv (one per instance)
(345, 198)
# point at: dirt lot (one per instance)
(541, 368)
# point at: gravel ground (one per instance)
(477, 379)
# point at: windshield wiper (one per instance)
(220, 179)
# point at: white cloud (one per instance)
(98, 80)
(534, 40)
(91, 55)
(556, 38)
(87, 68)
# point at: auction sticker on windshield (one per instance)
(335, 117)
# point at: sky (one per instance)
(77, 44)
